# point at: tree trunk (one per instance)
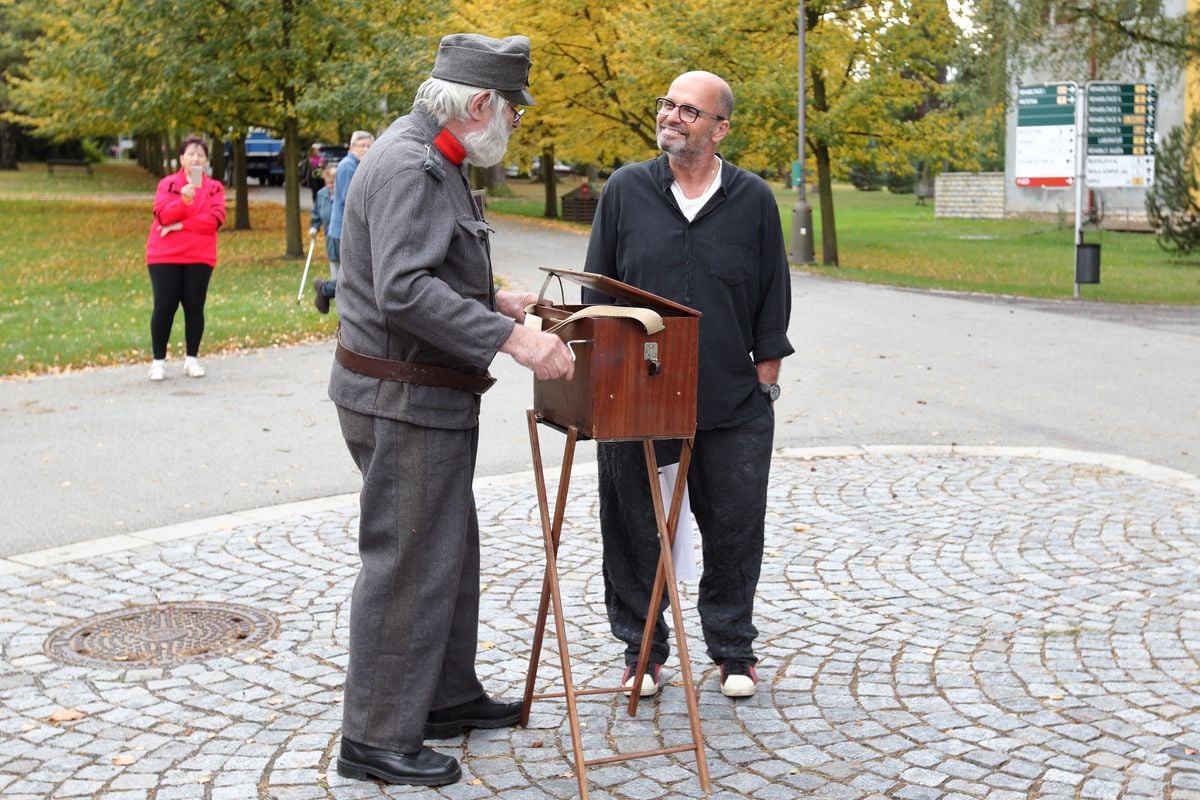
(8, 145)
(550, 181)
(829, 253)
(291, 143)
(142, 149)
(496, 176)
(167, 149)
(291, 186)
(241, 214)
(172, 152)
(217, 158)
(155, 146)
(477, 177)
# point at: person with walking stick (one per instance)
(322, 213)
(360, 143)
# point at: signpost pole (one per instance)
(802, 218)
(1080, 173)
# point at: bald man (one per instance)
(693, 228)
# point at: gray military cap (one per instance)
(475, 60)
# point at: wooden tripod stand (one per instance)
(551, 598)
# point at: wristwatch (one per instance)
(771, 390)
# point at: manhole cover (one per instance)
(162, 635)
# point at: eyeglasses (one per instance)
(517, 114)
(665, 105)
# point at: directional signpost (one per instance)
(1102, 138)
(1046, 135)
(1121, 119)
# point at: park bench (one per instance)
(68, 164)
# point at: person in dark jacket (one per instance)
(693, 228)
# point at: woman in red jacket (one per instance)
(181, 253)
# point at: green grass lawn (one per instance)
(74, 290)
(887, 238)
(109, 178)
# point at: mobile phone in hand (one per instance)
(196, 175)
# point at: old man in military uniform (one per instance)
(420, 323)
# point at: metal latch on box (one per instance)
(650, 353)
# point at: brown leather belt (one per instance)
(410, 372)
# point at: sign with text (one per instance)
(1045, 153)
(1121, 120)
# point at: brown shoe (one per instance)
(320, 300)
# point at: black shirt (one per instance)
(729, 263)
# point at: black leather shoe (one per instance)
(422, 768)
(482, 712)
(319, 298)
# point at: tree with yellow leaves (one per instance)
(877, 79)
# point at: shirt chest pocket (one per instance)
(470, 257)
(730, 258)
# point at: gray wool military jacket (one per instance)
(415, 282)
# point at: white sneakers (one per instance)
(191, 368)
(738, 678)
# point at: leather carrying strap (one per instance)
(650, 320)
(408, 372)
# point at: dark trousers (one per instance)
(175, 285)
(414, 614)
(727, 486)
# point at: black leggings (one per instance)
(175, 284)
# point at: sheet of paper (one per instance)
(683, 551)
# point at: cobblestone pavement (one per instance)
(935, 623)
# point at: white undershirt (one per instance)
(691, 208)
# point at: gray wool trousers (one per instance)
(414, 614)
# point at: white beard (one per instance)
(677, 146)
(486, 148)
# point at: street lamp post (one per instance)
(802, 236)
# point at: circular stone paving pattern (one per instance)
(934, 624)
(161, 635)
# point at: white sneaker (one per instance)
(738, 679)
(193, 369)
(649, 680)
(157, 371)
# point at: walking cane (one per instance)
(307, 263)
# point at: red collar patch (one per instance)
(450, 147)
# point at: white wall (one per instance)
(969, 195)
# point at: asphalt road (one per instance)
(104, 452)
